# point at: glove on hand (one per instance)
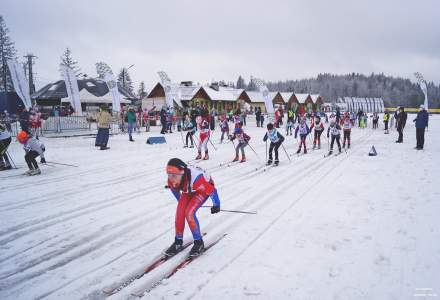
(215, 209)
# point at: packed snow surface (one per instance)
(341, 227)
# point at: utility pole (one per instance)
(30, 62)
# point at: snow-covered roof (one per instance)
(87, 97)
(286, 96)
(314, 97)
(220, 95)
(186, 93)
(255, 97)
(94, 86)
(301, 98)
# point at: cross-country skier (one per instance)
(276, 139)
(346, 124)
(190, 129)
(319, 128)
(386, 118)
(289, 126)
(191, 186)
(243, 140)
(33, 149)
(204, 138)
(224, 127)
(303, 130)
(334, 129)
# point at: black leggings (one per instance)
(317, 137)
(189, 135)
(346, 137)
(337, 138)
(30, 159)
(274, 146)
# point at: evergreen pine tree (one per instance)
(67, 60)
(7, 51)
(141, 91)
(124, 80)
(241, 84)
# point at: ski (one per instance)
(128, 279)
(150, 285)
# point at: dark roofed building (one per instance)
(93, 92)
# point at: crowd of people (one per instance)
(198, 122)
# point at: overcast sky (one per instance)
(201, 40)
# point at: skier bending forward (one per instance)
(191, 186)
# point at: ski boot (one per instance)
(185, 146)
(175, 248)
(314, 146)
(340, 150)
(206, 156)
(269, 162)
(348, 146)
(343, 146)
(277, 162)
(35, 172)
(330, 152)
(299, 150)
(243, 159)
(235, 159)
(199, 156)
(28, 172)
(319, 146)
(192, 146)
(197, 248)
(305, 151)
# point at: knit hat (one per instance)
(422, 107)
(22, 136)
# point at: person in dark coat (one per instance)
(163, 120)
(23, 116)
(401, 122)
(421, 122)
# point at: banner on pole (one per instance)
(20, 84)
(72, 88)
(265, 91)
(171, 93)
(112, 84)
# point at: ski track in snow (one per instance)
(82, 244)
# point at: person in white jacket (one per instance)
(33, 149)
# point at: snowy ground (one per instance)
(345, 227)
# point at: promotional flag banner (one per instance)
(20, 83)
(72, 88)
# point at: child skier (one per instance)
(204, 138)
(319, 128)
(33, 149)
(276, 139)
(334, 129)
(5, 140)
(289, 126)
(346, 124)
(243, 140)
(190, 129)
(303, 130)
(191, 186)
(224, 127)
